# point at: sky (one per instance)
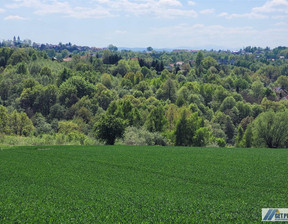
(196, 24)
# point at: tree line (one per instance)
(167, 98)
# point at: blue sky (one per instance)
(225, 24)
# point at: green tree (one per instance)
(156, 120)
(46, 99)
(111, 47)
(198, 62)
(239, 136)
(247, 138)
(18, 56)
(64, 75)
(66, 127)
(40, 124)
(270, 129)
(282, 82)
(202, 137)
(45, 71)
(168, 91)
(190, 131)
(172, 115)
(4, 125)
(228, 104)
(106, 80)
(122, 68)
(5, 54)
(149, 49)
(181, 131)
(258, 90)
(108, 128)
(20, 124)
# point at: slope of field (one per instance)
(121, 184)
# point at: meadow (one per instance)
(140, 184)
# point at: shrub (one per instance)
(220, 142)
(136, 136)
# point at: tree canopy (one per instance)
(186, 98)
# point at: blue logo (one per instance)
(274, 214)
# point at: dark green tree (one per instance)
(4, 127)
(239, 136)
(156, 119)
(108, 128)
(190, 131)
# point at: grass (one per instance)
(128, 184)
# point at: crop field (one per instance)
(140, 184)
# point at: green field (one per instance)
(128, 184)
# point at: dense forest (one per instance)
(62, 95)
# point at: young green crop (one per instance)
(128, 184)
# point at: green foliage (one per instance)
(143, 89)
(190, 131)
(156, 120)
(167, 91)
(199, 59)
(202, 137)
(66, 127)
(220, 142)
(4, 127)
(270, 129)
(108, 128)
(20, 124)
(41, 125)
(248, 137)
(124, 109)
(136, 136)
(239, 137)
(122, 68)
(228, 103)
(18, 56)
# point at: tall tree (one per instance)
(4, 127)
(156, 119)
(108, 128)
(270, 129)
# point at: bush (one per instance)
(136, 136)
(220, 142)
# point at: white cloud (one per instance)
(120, 32)
(250, 15)
(162, 8)
(233, 37)
(223, 14)
(207, 11)
(2, 10)
(276, 9)
(42, 7)
(107, 8)
(170, 2)
(272, 6)
(11, 17)
(281, 24)
(191, 3)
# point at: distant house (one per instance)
(169, 67)
(179, 63)
(280, 93)
(67, 59)
(134, 59)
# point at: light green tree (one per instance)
(270, 129)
